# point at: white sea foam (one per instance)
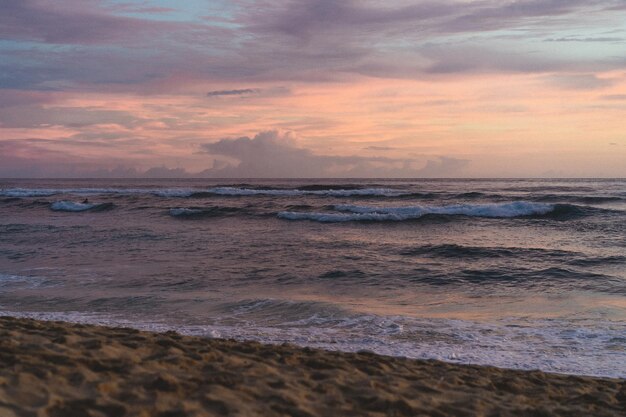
(363, 213)
(181, 211)
(18, 281)
(570, 347)
(71, 206)
(170, 192)
(26, 192)
(46, 192)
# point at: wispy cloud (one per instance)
(580, 81)
(238, 92)
(589, 39)
(615, 97)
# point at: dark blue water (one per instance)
(514, 273)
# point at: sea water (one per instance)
(527, 274)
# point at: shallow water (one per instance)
(514, 273)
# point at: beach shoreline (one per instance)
(65, 369)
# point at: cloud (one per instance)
(379, 148)
(76, 117)
(272, 155)
(29, 158)
(266, 155)
(38, 158)
(588, 39)
(615, 97)
(308, 19)
(290, 40)
(240, 92)
(69, 22)
(164, 172)
(579, 81)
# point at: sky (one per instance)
(313, 88)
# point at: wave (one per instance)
(576, 198)
(543, 277)
(332, 191)
(478, 252)
(15, 282)
(199, 212)
(27, 192)
(507, 343)
(362, 213)
(47, 192)
(599, 261)
(326, 187)
(73, 206)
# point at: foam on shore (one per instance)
(61, 369)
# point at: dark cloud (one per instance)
(283, 40)
(271, 155)
(307, 19)
(240, 92)
(13, 98)
(69, 22)
(396, 39)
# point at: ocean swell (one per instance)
(364, 213)
(200, 212)
(293, 192)
(329, 191)
(72, 206)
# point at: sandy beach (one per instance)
(63, 370)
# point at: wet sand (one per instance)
(66, 370)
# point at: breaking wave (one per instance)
(73, 206)
(363, 213)
(199, 212)
(342, 190)
(27, 192)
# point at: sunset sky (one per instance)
(313, 88)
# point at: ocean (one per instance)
(525, 274)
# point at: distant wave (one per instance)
(524, 277)
(329, 191)
(320, 190)
(27, 192)
(8, 281)
(547, 198)
(46, 192)
(199, 212)
(476, 252)
(362, 213)
(73, 206)
(576, 198)
(333, 191)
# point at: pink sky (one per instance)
(317, 88)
